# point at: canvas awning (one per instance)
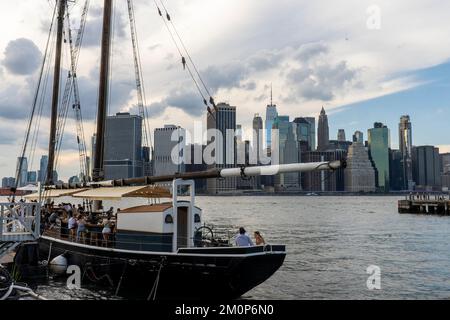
(54, 193)
(118, 193)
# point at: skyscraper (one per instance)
(288, 151)
(271, 114)
(222, 120)
(22, 171)
(359, 174)
(93, 146)
(305, 130)
(164, 164)
(358, 137)
(405, 144)
(396, 170)
(379, 144)
(43, 169)
(323, 132)
(123, 147)
(341, 135)
(426, 168)
(32, 177)
(257, 139)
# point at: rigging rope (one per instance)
(33, 109)
(140, 86)
(183, 59)
(169, 18)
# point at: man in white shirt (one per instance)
(243, 240)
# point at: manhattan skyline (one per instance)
(359, 75)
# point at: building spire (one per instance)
(271, 94)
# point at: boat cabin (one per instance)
(152, 227)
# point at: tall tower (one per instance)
(405, 145)
(379, 145)
(271, 114)
(222, 120)
(341, 135)
(323, 134)
(22, 171)
(257, 139)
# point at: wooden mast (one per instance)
(55, 97)
(98, 174)
(103, 92)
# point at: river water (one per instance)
(331, 241)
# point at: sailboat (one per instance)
(161, 250)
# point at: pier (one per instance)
(425, 204)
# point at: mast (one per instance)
(98, 174)
(55, 97)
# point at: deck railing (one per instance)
(19, 221)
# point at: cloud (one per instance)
(317, 77)
(186, 100)
(22, 57)
(93, 32)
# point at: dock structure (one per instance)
(425, 204)
(19, 223)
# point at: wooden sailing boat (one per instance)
(159, 251)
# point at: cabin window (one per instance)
(197, 218)
(169, 219)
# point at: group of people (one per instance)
(243, 240)
(75, 223)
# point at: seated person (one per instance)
(243, 240)
(259, 239)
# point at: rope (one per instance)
(183, 59)
(33, 109)
(154, 291)
(187, 52)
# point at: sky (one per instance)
(364, 61)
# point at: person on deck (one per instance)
(243, 240)
(81, 231)
(259, 239)
(73, 226)
(106, 232)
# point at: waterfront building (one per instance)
(341, 135)
(288, 153)
(42, 173)
(22, 171)
(379, 144)
(271, 114)
(396, 177)
(32, 177)
(323, 132)
(405, 145)
(445, 162)
(8, 182)
(323, 181)
(426, 168)
(359, 174)
(123, 147)
(167, 139)
(222, 118)
(93, 146)
(195, 163)
(305, 131)
(74, 180)
(338, 145)
(258, 144)
(358, 137)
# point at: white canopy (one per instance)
(30, 187)
(117, 193)
(54, 193)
